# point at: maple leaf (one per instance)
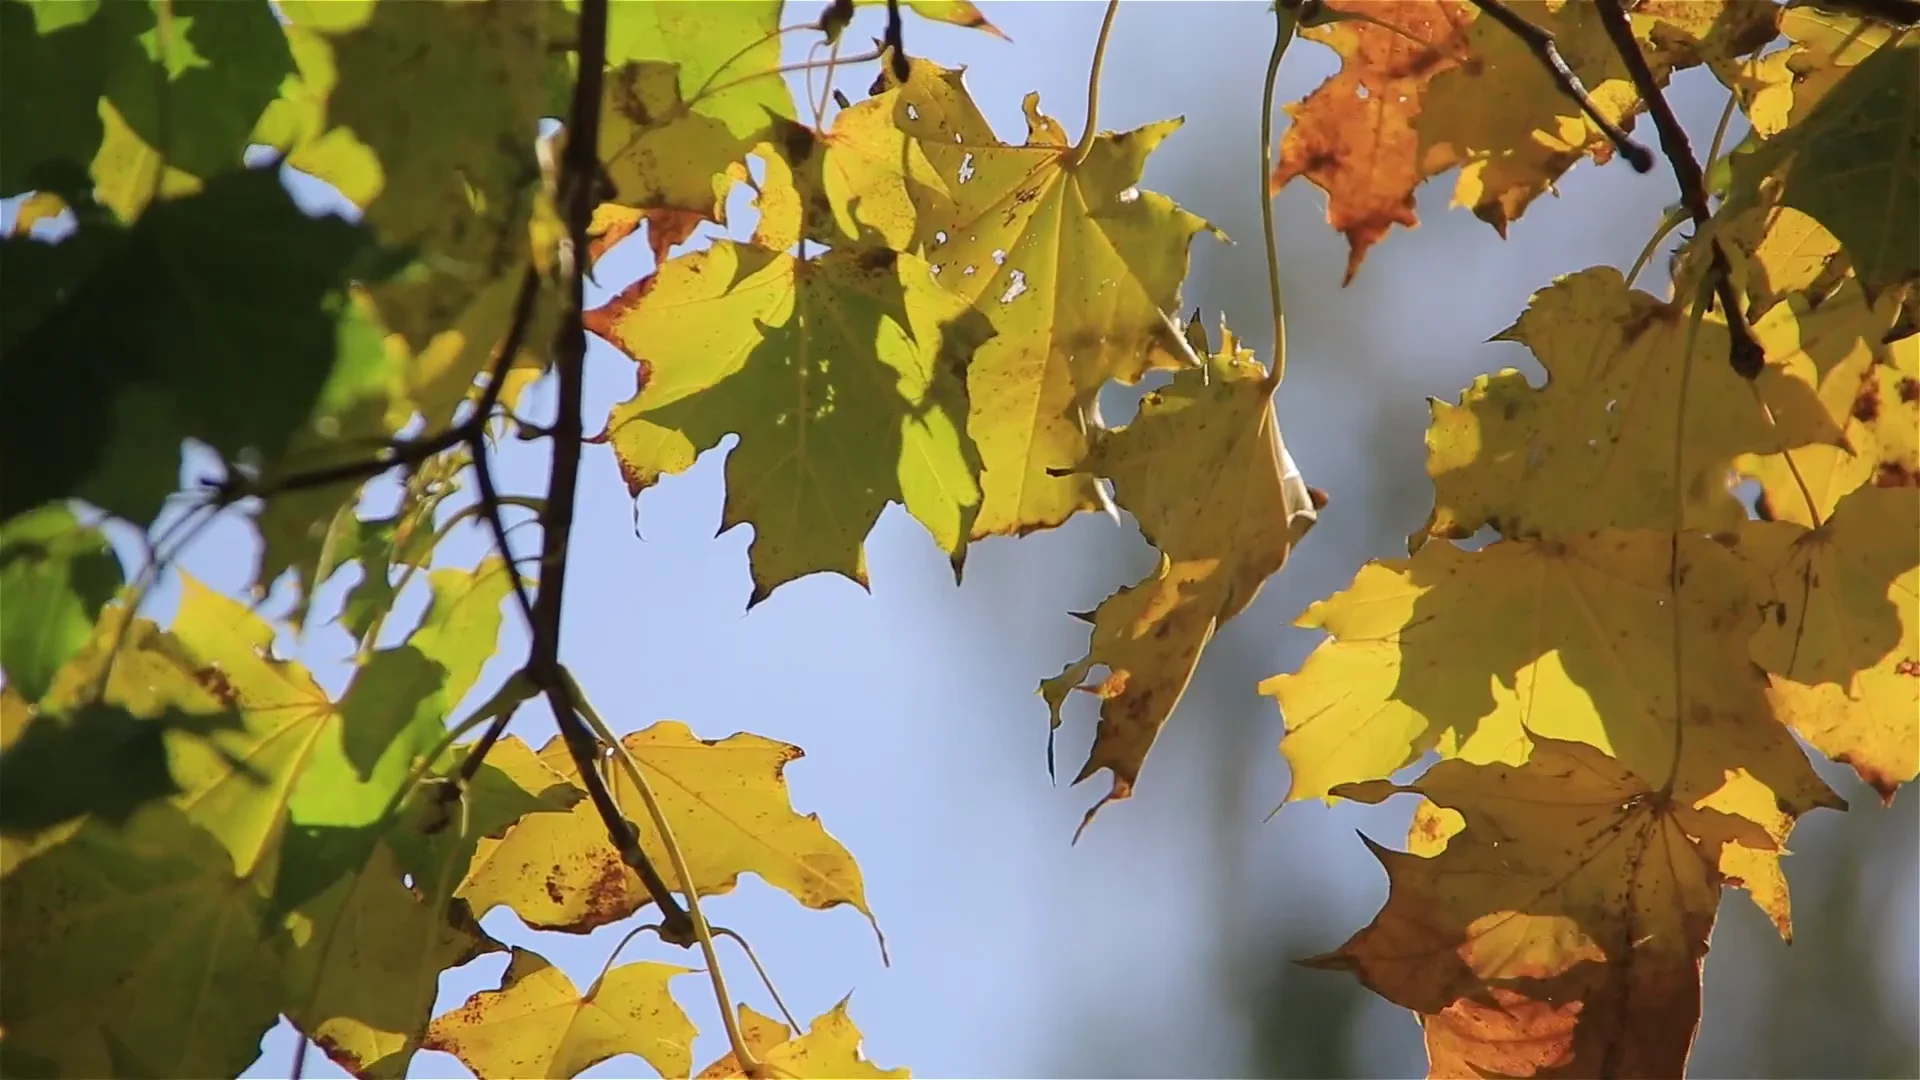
(692, 89)
(844, 377)
(146, 953)
(1841, 636)
(1782, 87)
(1598, 445)
(1480, 654)
(1427, 85)
(57, 575)
(1560, 930)
(829, 1050)
(1203, 470)
(364, 956)
(457, 189)
(1073, 262)
(138, 95)
(1836, 166)
(1870, 389)
(538, 1025)
(727, 803)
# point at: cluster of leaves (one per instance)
(1613, 683)
(924, 313)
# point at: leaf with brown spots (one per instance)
(1473, 653)
(1553, 923)
(538, 1026)
(1428, 85)
(1204, 471)
(1870, 389)
(727, 802)
(1597, 446)
(1076, 266)
(844, 376)
(1840, 637)
(829, 1050)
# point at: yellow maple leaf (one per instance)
(829, 1050)
(1782, 87)
(1203, 470)
(1559, 928)
(1870, 389)
(1480, 654)
(727, 802)
(1841, 636)
(843, 375)
(537, 1025)
(1072, 261)
(1598, 445)
(1428, 85)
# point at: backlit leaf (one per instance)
(56, 575)
(1840, 637)
(1871, 390)
(1561, 930)
(1428, 85)
(1479, 654)
(693, 88)
(1203, 469)
(830, 1050)
(1073, 262)
(843, 376)
(452, 177)
(538, 1025)
(728, 805)
(1597, 445)
(1854, 165)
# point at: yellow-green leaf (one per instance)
(538, 1026)
(1203, 470)
(1840, 635)
(1072, 261)
(844, 377)
(1598, 445)
(830, 1050)
(727, 802)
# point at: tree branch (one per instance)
(1746, 356)
(579, 170)
(1541, 42)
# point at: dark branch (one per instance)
(579, 169)
(896, 41)
(1747, 357)
(1541, 43)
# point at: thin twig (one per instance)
(1541, 43)
(578, 167)
(1746, 355)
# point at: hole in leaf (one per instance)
(999, 257)
(1129, 194)
(966, 168)
(1016, 285)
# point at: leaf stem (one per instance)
(1286, 18)
(702, 932)
(1085, 146)
(1746, 355)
